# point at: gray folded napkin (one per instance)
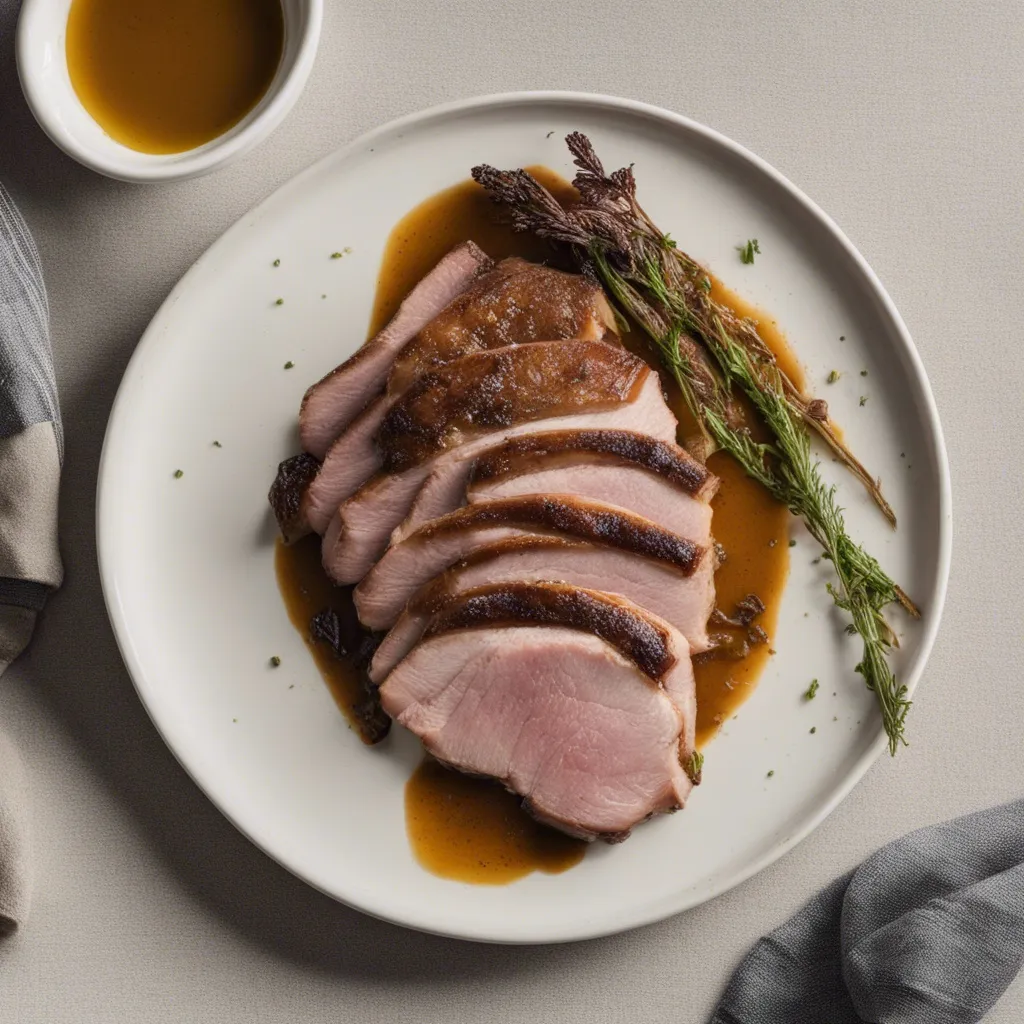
(31, 449)
(928, 930)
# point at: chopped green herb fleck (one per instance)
(792, 543)
(833, 376)
(812, 690)
(771, 773)
(347, 250)
(235, 720)
(863, 400)
(323, 296)
(842, 337)
(178, 474)
(835, 718)
(288, 365)
(815, 561)
(814, 729)
(277, 263)
(275, 661)
(748, 251)
(863, 373)
(279, 302)
(549, 134)
(335, 255)
(217, 444)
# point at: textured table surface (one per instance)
(903, 120)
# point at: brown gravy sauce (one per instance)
(471, 829)
(164, 76)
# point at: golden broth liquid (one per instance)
(471, 829)
(164, 76)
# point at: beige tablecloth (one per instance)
(903, 120)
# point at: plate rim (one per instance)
(685, 899)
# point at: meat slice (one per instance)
(499, 388)
(333, 402)
(382, 596)
(359, 531)
(579, 702)
(686, 601)
(650, 476)
(515, 303)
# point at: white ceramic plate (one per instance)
(187, 564)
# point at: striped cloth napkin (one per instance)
(31, 450)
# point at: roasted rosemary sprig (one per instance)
(710, 352)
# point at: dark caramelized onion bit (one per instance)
(352, 643)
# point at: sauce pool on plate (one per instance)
(471, 829)
(165, 76)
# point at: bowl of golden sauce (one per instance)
(159, 90)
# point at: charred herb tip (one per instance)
(748, 251)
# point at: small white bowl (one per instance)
(43, 69)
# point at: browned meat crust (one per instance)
(583, 520)
(500, 388)
(624, 446)
(640, 639)
(514, 302)
(287, 492)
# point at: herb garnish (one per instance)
(771, 773)
(279, 302)
(711, 354)
(276, 263)
(811, 690)
(747, 251)
(694, 766)
(178, 474)
(275, 661)
(833, 376)
(288, 365)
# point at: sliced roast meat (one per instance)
(383, 594)
(684, 600)
(515, 303)
(489, 391)
(288, 492)
(581, 703)
(359, 532)
(333, 402)
(650, 476)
